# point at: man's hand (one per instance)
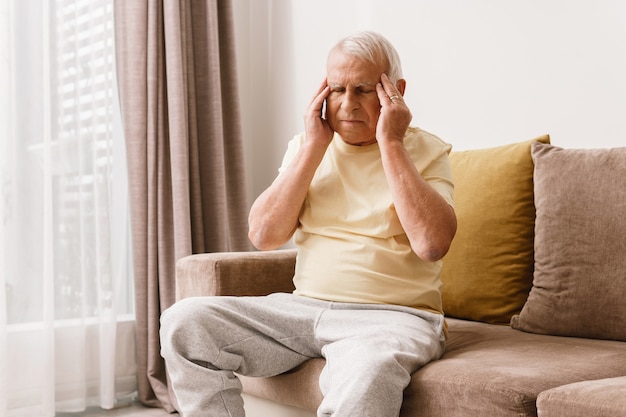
(316, 126)
(395, 116)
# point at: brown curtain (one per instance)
(179, 100)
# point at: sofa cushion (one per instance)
(487, 273)
(298, 387)
(600, 398)
(579, 283)
(487, 370)
(493, 370)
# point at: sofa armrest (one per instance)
(235, 273)
(601, 398)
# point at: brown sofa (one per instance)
(534, 289)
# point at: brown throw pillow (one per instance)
(579, 286)
(487, 273)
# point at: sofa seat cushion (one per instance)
(601, 398)
(491, 370)
(298, 387)
(487, 370)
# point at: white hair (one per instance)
(372, 47)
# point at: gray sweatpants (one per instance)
(371, 350)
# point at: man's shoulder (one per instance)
(297, 140)
(420, 139)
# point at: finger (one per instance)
(383, 97)
(390, 89)
(387, 85)
(316, 106)
(320, 89)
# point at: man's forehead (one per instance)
(347, 69)
(359, 76)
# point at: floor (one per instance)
(132, 410)
(255, 407)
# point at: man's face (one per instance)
(352, 107)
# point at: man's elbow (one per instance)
(435, 248)
(431, 253)
(268, 238)
(260, 240)
(259, 233)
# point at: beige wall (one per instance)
(479, 72)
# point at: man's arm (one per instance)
(428, 220)
(274, 215)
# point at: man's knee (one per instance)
(179, 316)
(185, 324)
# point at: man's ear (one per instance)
(401, 85)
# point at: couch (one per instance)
(534, 291)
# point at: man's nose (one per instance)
(350, 101)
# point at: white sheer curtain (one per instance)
(66, 323)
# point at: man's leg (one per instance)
(205, 340)
(370, 357)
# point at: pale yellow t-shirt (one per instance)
(351, 246)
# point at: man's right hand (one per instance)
(315, 125)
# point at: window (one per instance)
(65, 261)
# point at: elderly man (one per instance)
(368, 202)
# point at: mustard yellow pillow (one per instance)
(488, 272)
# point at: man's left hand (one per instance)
(395, 116)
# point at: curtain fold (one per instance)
(180, 111)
